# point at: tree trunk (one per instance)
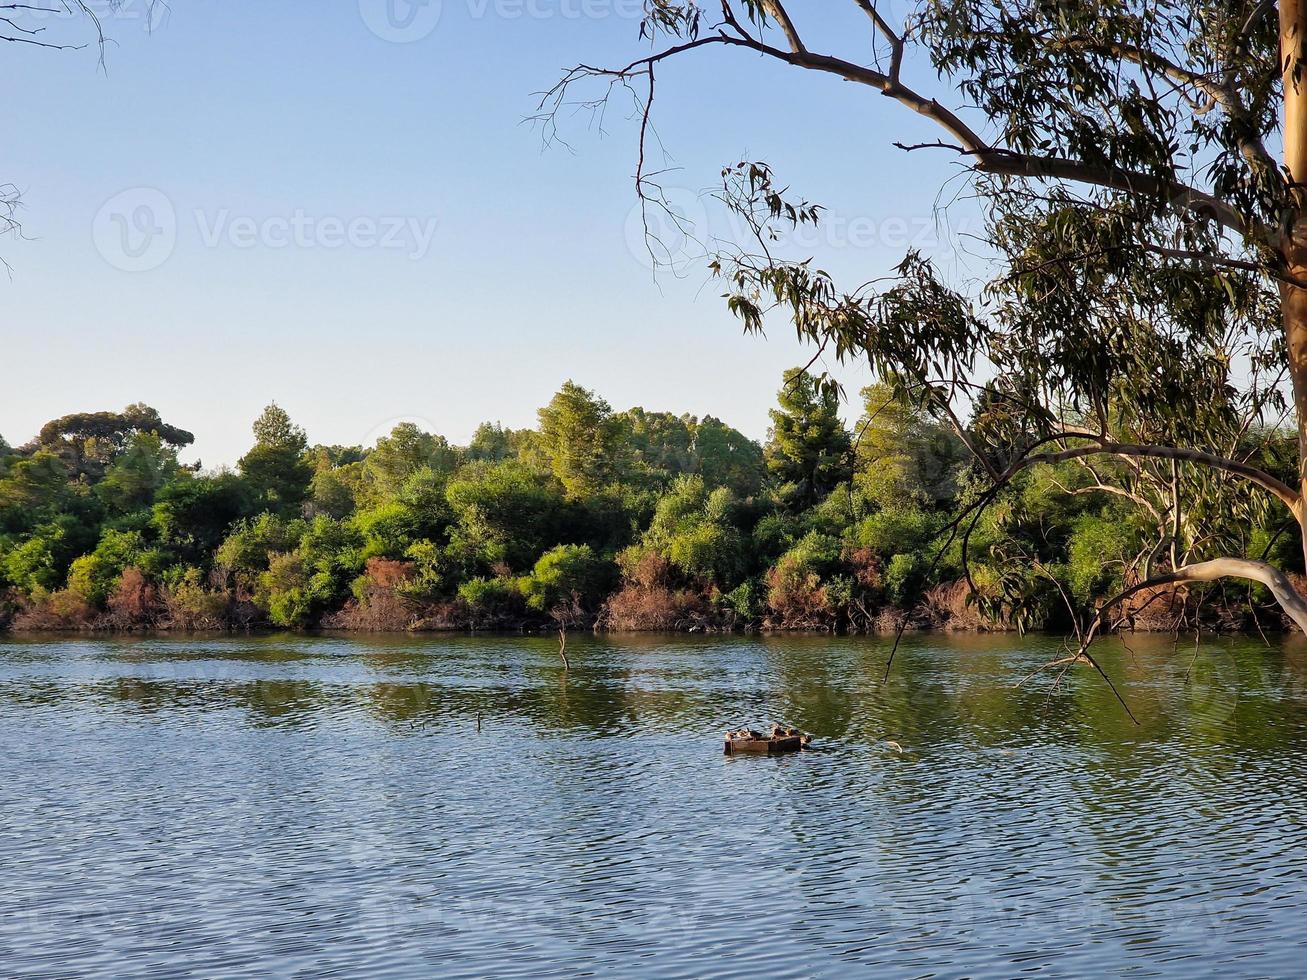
(1293, 299)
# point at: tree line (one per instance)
(631, 520)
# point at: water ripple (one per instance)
(409, 806)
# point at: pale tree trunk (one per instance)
(1293, 299)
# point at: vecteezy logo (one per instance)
(668, 231)
(400, 21)
(136, 229)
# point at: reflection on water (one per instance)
(411, 806)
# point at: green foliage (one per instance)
(565, 574)
(39, 561)
(525, 528)
(581, 441)
(505, 512)
(904, 577)
(192, 514)
(335, 489)
(808, 451)
(246, 550)
(275, 469)
(1100, 548)
(137, 473)
(418, 511)
(300, 584)
(904, 458)
(895, 531)
(493, 443)
(431, 574)
(693, 529)
(748, 600)
(727, 458)
(490, 599)
(397, 457)
(816, 553)
(661, 444)
(33, 565)
(34, 489)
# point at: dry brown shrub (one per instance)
(134, 603)
(441, 616)
(947, 606)
(797, 600)
(387, 573)
(191, 606)
(1155, 610)
(649, 571)
(865, 565)
(10, 603)
(381, 609)
(652, 608)
(62, 610)
(648, 601)
(892, 619)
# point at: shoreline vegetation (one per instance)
(632, 521)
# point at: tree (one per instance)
(192, 514)
(494, 443)
(693, 530)
(581, 439)
(275, 469)
(1143, 166)
(506, 513)
(661, 443)
(903, 455)
(808, 448)
(398, 456)
(728, 458)
(564, 574)
(137, 473)
(91, 441)
(33, 489)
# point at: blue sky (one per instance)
(365, 230)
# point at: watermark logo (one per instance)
(302, 230)
(386, 428)
(38, 18)
(136, 229)
(405, 21)
(401, 21)
(669, 231)
(673, 230)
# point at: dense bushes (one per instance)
(629, 520)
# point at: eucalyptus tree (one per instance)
(1143, 164)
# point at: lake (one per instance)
(457, 806)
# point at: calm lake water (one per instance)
(311, 806)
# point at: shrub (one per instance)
(490, 601)
(134, 602)
(747, 601)
(379, 603)
(62, 610)
(564, 574)
(638, 608)
(191, 606)
(897, 530)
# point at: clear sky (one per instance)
(339, 206)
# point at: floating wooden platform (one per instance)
(788, 740)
